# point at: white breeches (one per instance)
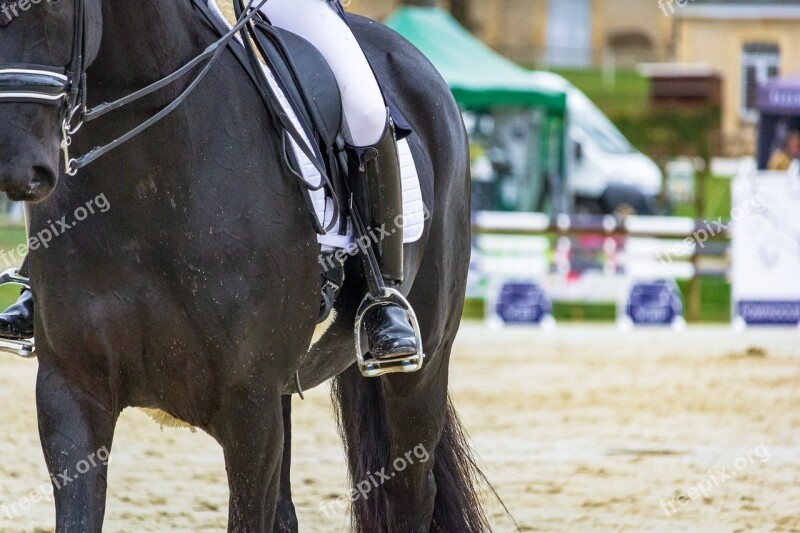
(317, 22)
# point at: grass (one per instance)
(662, 133)
(628, 95)
(564, 312)
(11, 236)
(716, 201)
(715, 303)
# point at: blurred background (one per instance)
(580, 109)
(629, 358)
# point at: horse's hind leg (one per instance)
(249, 426)
(286, 517)
(391, 428)
(409, 459)
(415, 415)
(76, 427)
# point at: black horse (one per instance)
(197, 292)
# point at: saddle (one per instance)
(297, 78)
(302, 94)
(307, 78)
(299, 74)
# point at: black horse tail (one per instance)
(360, 411)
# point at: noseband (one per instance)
(50, 85)
(66, 87)
(21, 84)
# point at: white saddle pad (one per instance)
(413, 222)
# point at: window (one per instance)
(760, 62)
(569, 31)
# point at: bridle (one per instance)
(52, 85)
(66, 87)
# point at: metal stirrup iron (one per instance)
(378, 295)
(374, 367)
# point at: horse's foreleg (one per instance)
(76, 428)
(286, 517)
(250, 429)
(416, 406)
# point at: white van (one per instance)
(605, 174)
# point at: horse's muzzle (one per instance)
(29, 151)
(24, 182)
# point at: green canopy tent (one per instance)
(477, 75)
(484, 81)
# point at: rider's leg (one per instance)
(388, 329)
(16, 322)
(318, 23)
(372, 138)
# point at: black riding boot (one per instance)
(388, 329)
(390, 333)
(16, 322)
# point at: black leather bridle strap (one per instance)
(33, 84)
(86, 159)
(76, 72)
(211, 53)
(44, 84)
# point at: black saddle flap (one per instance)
(308, 80)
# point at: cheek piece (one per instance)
(48, 85)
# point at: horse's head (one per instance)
(45, 47)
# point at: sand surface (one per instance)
(582, 428)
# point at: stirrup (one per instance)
(373, 367)
(25, 348)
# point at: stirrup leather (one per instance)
(372, 366)
(25, 348)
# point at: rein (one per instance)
(67, 87)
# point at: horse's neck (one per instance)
(144, 41)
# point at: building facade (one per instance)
(560, 33)
(747, 43)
